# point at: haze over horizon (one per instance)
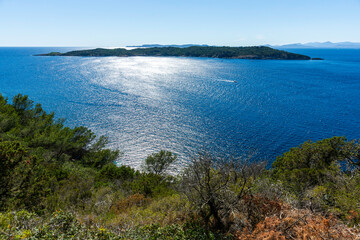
(111, 23)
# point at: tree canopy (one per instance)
(158, 163)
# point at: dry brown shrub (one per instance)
(352, 217)
(125, 204)
(258, 207)
(300, 224)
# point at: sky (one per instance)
(116, 23)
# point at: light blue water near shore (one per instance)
(144, 104)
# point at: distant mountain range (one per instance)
(318, 45)
(173, 45)
(286, 46)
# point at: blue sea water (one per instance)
(227, 106)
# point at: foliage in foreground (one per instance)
(61, 183)
(62, 225)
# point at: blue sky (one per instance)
(216, 22)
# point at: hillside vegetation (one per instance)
(58, 182)
(194, 51)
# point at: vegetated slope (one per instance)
(194, 51)
(58, 182)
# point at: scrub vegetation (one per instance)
(58, 182)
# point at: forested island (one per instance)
(58, 182)
(193, 51)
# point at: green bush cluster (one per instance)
(65, 225)
(323, 176)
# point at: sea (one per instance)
(254, 109)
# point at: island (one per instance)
(257, 52)
(171, 45)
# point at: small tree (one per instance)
(22, 103)
(158, 163)
(216, 187)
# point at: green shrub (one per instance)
(310, 164)
(153, 185)
(158, 163)
(323, 176)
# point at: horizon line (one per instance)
(274, 45)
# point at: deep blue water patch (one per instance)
(144, 104)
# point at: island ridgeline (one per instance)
(258, 52)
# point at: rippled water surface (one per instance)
(144, 104)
